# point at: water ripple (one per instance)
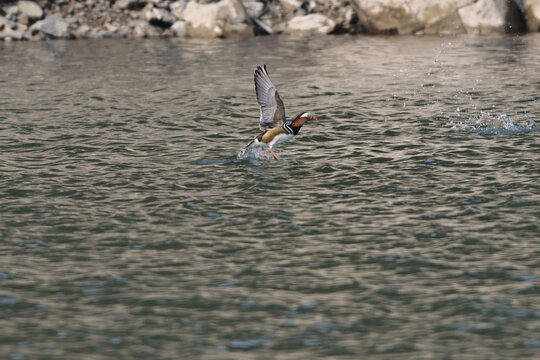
(403, 223)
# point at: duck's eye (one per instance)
(306, 115)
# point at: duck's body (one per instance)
(272, 115)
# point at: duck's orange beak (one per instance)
(313, 117)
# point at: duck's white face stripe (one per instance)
(288, 129)
(305, 115)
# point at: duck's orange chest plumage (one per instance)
(271, 134)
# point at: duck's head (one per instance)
(302, 118)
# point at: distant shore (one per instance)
(102, 19)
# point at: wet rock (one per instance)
(532, 13)
(160, 17)
(226, 18)
(29, 8)
(309, 24)
(179, 28)
(53, 25)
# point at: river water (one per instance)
(404, 223)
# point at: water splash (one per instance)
(500, 124)
(254, 152)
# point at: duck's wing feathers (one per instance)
(272, 108)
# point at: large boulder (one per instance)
(226, 18)
(386, 16)
(53, 25)
(532, 13)
(310, 24)
(492, 16)
(439, 16)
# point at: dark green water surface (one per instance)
(404, 224)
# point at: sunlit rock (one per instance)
(177, 9)
(226, 18)
(29, 8)
(532, 13)
(290, 5)
(448, 25)
(179, 28)
(386, 16)
(312, 23)
(439, 16)
(492, 16)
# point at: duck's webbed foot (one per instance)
(273, 153)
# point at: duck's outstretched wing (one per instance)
(272, 108)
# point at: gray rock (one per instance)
(12, 34)
(53, 25)
(179, 28)
(30, 9)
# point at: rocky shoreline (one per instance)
(102, 19)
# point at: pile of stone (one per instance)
(99, 19)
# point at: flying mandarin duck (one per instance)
(272, 121)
